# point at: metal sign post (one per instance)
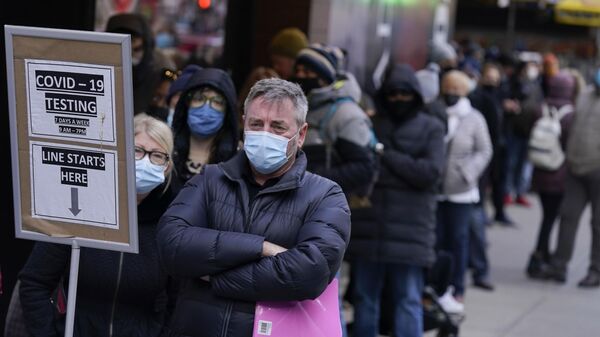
(72, 294)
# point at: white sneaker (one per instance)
(449, 303)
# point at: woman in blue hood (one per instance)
(205, 122)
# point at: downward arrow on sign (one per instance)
(74, 201)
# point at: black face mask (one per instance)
(158, 112)
(307, 84)
(489, 87)
(451, 99)
(400, 111)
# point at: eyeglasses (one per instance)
(156, 157)
(198, 99)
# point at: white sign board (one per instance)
(74, 184)
(71, 100)
(72, 144)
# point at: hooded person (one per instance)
(205, 122)
(394, 239)
(147, 61)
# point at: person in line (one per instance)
(258, 227)
(484, 98)
(147, 61)
(581, 188)
(393, 241)
(284, 49)
(205, 122)
(550, 184)
(517, 167)
(339, 135)
(122, 294)
(469, 151)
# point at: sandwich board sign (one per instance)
(71, 123)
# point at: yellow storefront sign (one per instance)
(578, 12)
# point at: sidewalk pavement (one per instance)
(520, 307)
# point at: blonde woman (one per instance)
(118, 294)
(469, 151)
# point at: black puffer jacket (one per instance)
(399, 227)
(226, 141)
(211, 230)
(135, 301)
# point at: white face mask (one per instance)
(532, 73)
(147, 175)
(267, 152)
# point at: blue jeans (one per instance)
(453, 222)
(478, 260)
(518, 168)
(406, 287)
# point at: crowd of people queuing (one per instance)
(262, 195)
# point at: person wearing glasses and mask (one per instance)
(118, 294)
(254, 228)
(205, 122)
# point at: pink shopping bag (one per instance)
(311, 318)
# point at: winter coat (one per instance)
(127, 291)
(486, 102)
(338, 123)
(583, 148)
(213, 229)
(560, 90)
(400, 225)
(226, 142)
(468, 154)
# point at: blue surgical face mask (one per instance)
(147, 175)
(205, 121)
(267, 152)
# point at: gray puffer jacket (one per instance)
(468, 154)
(338, 137)
(213, 229)
(583, 147)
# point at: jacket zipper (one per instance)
(114, 304)
(252, 208)
(250, 215)
(228, 310)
